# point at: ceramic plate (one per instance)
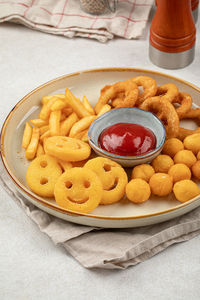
(119, 215)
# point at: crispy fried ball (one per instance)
(161, 184)
(186, 157)
(185, 190)
(196, 169)
(179, 172)
(138, 190)
(162, 163)
(198, 155)
(192, 142)
(172, 146)
(143, 171)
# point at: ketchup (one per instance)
(127, 139)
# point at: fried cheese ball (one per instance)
(198, 155)
(196, 169)
(162, 163)
(143, 171)
(185, 190)
(186, 157)
(172, 146)
(138, 190)
(179, 172)
(192, 142)
(161, 184)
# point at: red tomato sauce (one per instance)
(127, 139)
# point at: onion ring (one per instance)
(167, 110)
(185, 101)
(149, 86)
(110, 92)
(184, 132)
(168, 92)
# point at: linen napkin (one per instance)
(66, 18)
(107, 248)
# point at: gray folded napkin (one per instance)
(108, 248)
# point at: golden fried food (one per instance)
(149, 87)
(192, 142)
(179, 172)
(31, 150)
(185, 101)
(75, 104)
(168, 91)
(168, 112)
(138, 190)
(110, 92)
(193, 113)
(172, 146)
(184, 132)
(162, 163)
(66, 148)
(185, 190)
(186, 157)
(113, 177)
(161, 184)
(198, 155)
(78, 189)
(196, 169)
(143, 171)
(42, 174)
(27, 135)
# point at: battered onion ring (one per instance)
(158, 105)
(193, 113)
(149, 86)
(168, 92)
(183, 132)
(185, 101)
(110, 92)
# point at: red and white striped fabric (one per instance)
(65, 17)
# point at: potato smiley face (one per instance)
(79, 190)
(113, 177)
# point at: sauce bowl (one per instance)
(128, 115)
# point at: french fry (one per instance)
(58, 105)
(54, 122)
(81, 125)
(32, 147)
(46, 99)
(76, 105)
(104, 109)
(27, 135)
(46, 109)
(67, 111)
(38, 122)
(40, 150)
(43, 129)
(87, 105)
(85, 136)
(45, 135)
(67, 124)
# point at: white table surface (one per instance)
(31, 266)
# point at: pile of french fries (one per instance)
(60, 115)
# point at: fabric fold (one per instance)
(107, 248)
(66, 18)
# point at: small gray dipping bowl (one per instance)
(127, 115)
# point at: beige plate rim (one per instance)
(44, 202)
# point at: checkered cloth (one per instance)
(65, 17)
